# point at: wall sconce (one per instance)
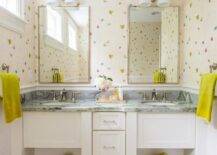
(163, 3)
(146, 3)
(160, 3)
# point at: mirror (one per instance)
(64, 44)
(153, 55)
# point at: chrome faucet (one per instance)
(63, 95)
(154, 95)
(144, 97)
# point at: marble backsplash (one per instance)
(171, 95)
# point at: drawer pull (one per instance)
(109, 147)
(108, 122)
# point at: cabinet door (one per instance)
(52, 130)
(166, 130)
(109, 143)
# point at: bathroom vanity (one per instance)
(104, 129)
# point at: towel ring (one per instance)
(213, 67)
(5, 67)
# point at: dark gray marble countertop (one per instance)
(92, 106)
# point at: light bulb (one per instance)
(51, 1)
(163, 3)
(145, 3)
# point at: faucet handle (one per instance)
(154, 95)
(54, 96)
(63, 94)
(188, 98)
(74, 93)
(23, 98)
(164, 96)
(144, 97)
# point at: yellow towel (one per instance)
(55, 78)
(206, 96)
(159, 77)
(61, 77)
(10, 96)
(58, 78)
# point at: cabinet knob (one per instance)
(109, 147)
(112, 121)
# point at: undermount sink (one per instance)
(111, 104)
(158, 103)
(161, 104)
(55, 103)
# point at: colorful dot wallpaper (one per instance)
(198, 40)
(109, 41)
(19, 50)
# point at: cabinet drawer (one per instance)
(108, 121)
(108, 143)
(51, 130)
(166, 130)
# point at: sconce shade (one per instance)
(163, 3)
(51, 1)
(145, 3)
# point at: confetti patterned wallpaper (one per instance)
(170, 43)
(109, 20)
(144, 51)
(109, 38)
(18, 50)
(198, 40)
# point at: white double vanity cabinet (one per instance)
(109, 133)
